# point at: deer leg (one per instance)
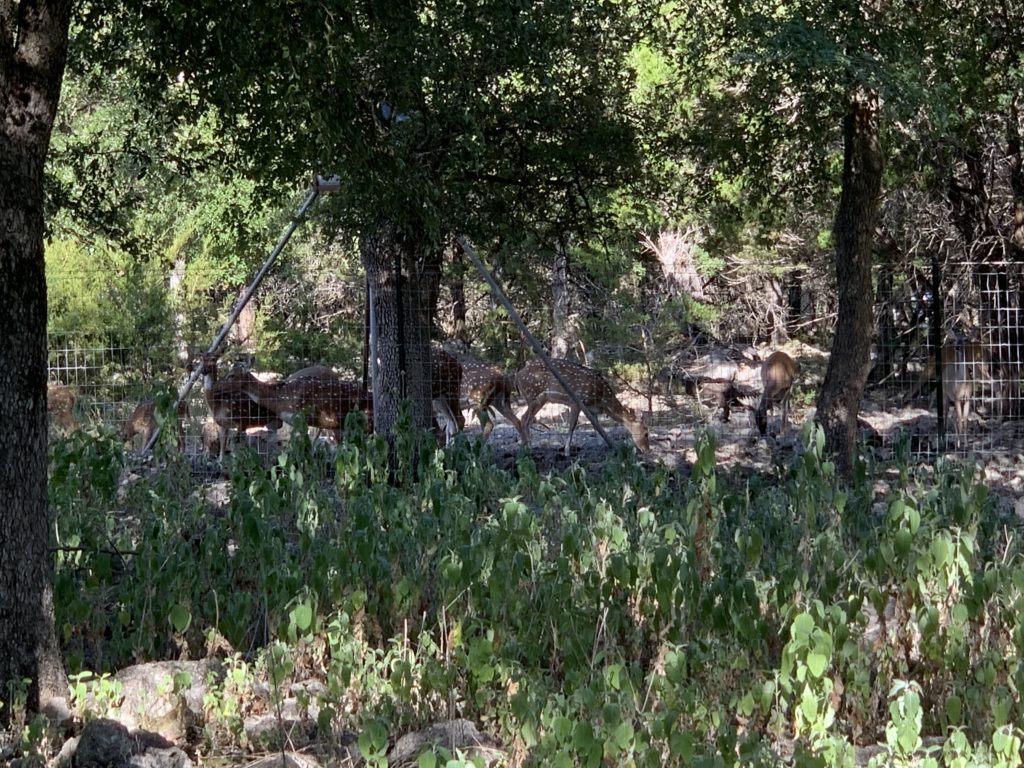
(574, 416)
(486, 414)
(444, 412)
(506, 410)
(527, 419)
(222, 436)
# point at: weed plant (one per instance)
(623, 615)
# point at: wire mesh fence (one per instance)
(302, 346)
(111, 368)
(946, 373)
(947, 368)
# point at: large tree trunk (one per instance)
(854, 231)
(398, 270)
(31, 68)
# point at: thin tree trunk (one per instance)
(32, 59)
(459, 295)
(1014, 358)
(854, 231)
(1015, 155)
(560, 332)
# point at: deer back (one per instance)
(777, 374)
(535, 381)
(229, 402)
(483, 384)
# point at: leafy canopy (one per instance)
(448, 115)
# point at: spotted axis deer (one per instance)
(445, 390)
(230, 405)
(963, 365)
(143, 422)
(316, 371)
(539, 387)
(486, 388)
(777, 374)
(325, 400)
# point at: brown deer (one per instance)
(486, 389)
(539, 387)
(962, 366)
(229, 403)
(60, 407)
(777, 374)
(965, 364)
(325, 400)
(143, 422)
(445, 390)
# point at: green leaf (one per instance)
(816, 663)
(426, 760)
(583, 736)
(623, 735)
(302, 616)
(903, 541)
(529, 734)
(180, 617)
(808, 705)
(802, 626)
(562, 729)
(953, 708)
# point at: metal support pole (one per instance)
(503, 299)
(936, 341)
(320, 184)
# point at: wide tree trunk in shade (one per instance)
(32, 56)
(399, 272)
(854, 233)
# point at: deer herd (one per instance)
(242, 401)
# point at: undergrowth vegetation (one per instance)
(624, 615)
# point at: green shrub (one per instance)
(621, 615)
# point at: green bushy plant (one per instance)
(616, 615)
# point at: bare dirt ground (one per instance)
(890, 430)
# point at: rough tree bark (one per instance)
(854, 232)
(1015, 155)
(560, 330)
(399, 349)
(32, 57)
(461, 332)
